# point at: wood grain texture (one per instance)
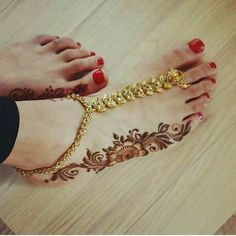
(186, 190)
(229, 227)
(4, 229)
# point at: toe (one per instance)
(199, 72)
(98, 79)
(193, 120)
(183, 55)
(71, 69)
(44, 39)
(91, 83)
(197, 99)
(199, 103)
(61, 44)
(201, 87)
(72, 54)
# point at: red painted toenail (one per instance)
(100, 61)
(92, 53)
(213, 65)
(98, 77)
(206, 94)
(196, 45)
(200, 115)
(213, 81)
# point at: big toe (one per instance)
(89, 84)
(183, 55)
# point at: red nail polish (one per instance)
(213, 65)
(98, 77)
(100, 61)
(92, 53)
(196, 45)
(200, 115)
(213, 81)
(206, 94)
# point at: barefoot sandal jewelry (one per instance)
(157, 84)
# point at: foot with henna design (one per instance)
(132, 130)
(49, 67)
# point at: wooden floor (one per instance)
(190, 189)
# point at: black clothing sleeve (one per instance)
(9, 125)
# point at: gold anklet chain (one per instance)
(81, 132)
(157, 84)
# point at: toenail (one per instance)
(213, 65)
(206, 94)
(100, 61)
(98, 77)
(92, 53)
(200, 115)
(213, 81)
(196, 45)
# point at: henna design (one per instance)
(80, 89)
(52, 93)
(22, 94)
(19, 94)
(135, 144)
(65, 173)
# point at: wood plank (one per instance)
(4, 229)
(229, 227)
(190, 189)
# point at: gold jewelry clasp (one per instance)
(176, 78)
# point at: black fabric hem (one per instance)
(9, 125)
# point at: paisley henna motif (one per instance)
(135, 144)
(94, 161)
(65, 173)
(19, 94)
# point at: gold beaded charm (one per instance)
(128, 94)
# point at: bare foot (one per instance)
(49, 67)
(135, 129)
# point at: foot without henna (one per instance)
(126, 132)
(47, 67)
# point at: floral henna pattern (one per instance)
(135, 144)
(19, 94)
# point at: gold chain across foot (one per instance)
(157, 84)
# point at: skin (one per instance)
(47, 67)
(40, 143)
(125, 147)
